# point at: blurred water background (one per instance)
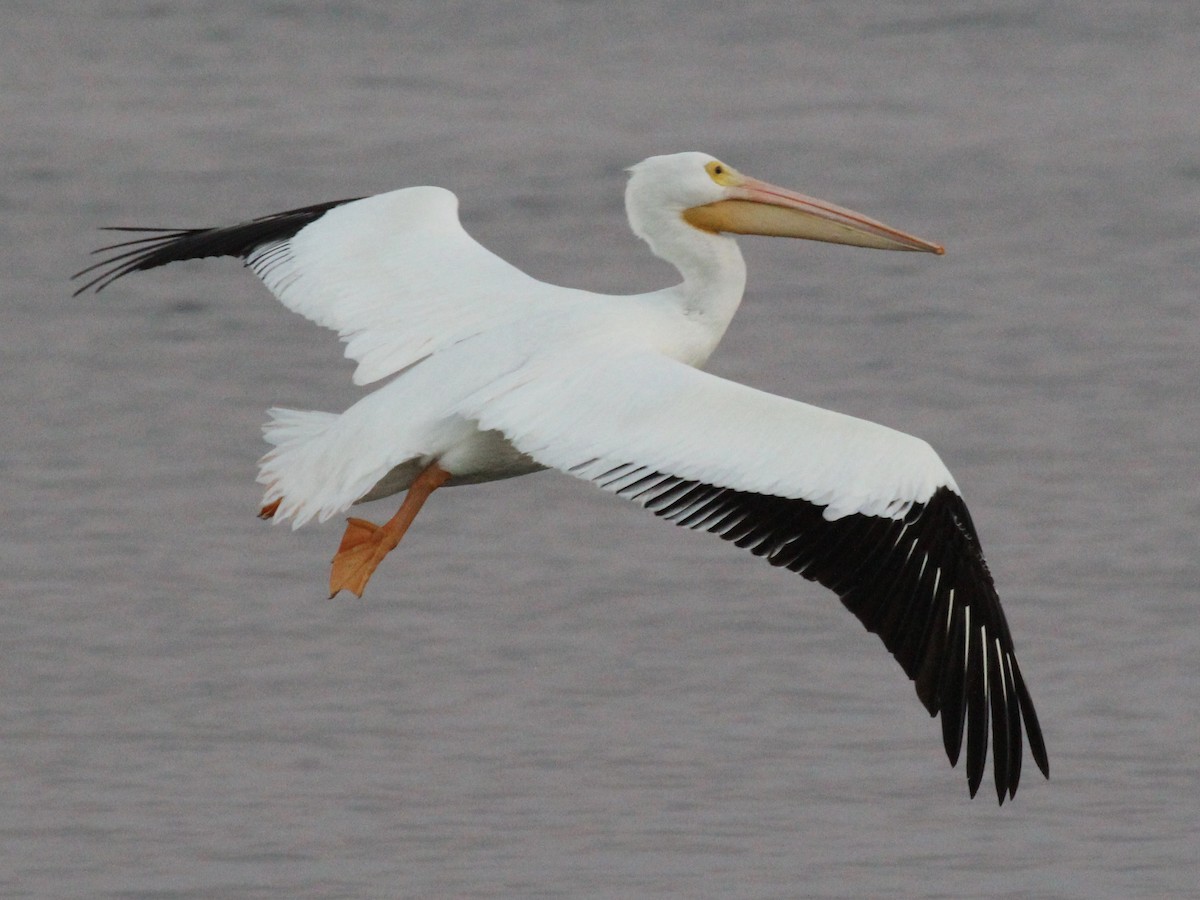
(546, 693)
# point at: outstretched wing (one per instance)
(395, 275)
(866, 511)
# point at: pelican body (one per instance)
(488, 373)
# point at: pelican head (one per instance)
(714, 197)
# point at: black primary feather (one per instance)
(161, 246)
(919, 582)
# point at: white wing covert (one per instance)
(648, 409)
(397, 277)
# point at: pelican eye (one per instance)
(721, 173)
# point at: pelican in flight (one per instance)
(488, 373)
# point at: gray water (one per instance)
(545, 692)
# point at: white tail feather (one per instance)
(304, 470)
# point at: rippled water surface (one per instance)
(546, 693)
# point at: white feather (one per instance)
(397, 277)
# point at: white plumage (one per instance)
(495, 374)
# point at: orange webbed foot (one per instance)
(365, 544)
(268, 511)
(363, 547)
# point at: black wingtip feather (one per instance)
(1001, 745)
(977, 711)
(952, 687)
(167, 245)
(1015, 735)
(1033, 728)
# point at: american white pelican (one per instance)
(494, 374)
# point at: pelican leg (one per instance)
(365, 544)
